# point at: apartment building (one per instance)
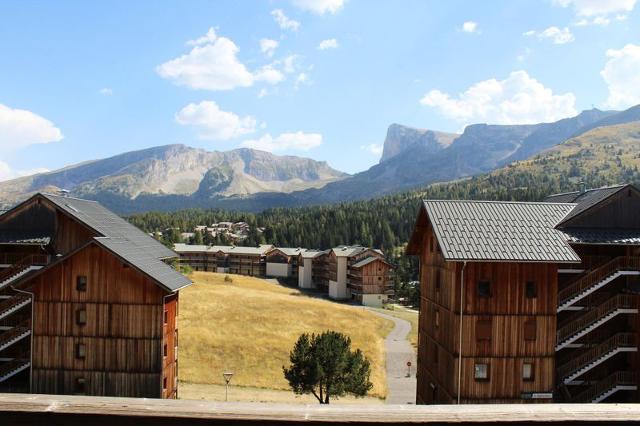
(529, 302)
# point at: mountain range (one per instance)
(176, 176)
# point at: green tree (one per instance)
(325, 366)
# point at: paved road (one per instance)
(402, 389)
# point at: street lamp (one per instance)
(227, 378)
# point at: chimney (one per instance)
(583, 187)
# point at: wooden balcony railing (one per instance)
(619, 378)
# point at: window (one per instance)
(164, 383)
(483, 330)
(481, 371)
(81, 316)
(81, 351)
(81, 283)
(484, 288)
(166, 317)
(527, 371)
(530, 329)
(437, 318)
(164, 350)
(80, 386)
(532, 290)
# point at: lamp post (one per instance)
(227, 378)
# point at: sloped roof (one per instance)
(500, 231)
(602, 236)
(348, 251)
(109, 224)
(250, 250)
(584, 199)
(368, 260)
(289, 251)
(165, 275)
(311, 254)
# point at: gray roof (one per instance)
(109, 224)
(602, 236)
(310, 254)
(348, 251)
(368, 260)
(165, 275)
(500, 231)
(584, 199)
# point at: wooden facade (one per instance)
(535, 331)
(97, 323)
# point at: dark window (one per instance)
(481, 371)
(166, 317)
(81, 283)
(164, 350)
(530, 329)
(484, 288)
(164, 383)
(80, 385)
(81, 316)
(483, 330)
(532, 290)
(527, 371)
(81, 350)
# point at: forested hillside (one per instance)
(603, 156)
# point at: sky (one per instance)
(313, 78)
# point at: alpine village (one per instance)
(320, 212)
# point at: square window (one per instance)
(532, 290)
(81, 283)
(81, 350)
(81, 316)
(527, 371)
(80, 385)
(484, 288)
(481, 371)
(483, 330)
(530, 329)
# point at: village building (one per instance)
(87, 303)
(529, 302)
(282, 262)
(312, 269)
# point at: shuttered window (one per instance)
(531, 290)
(481, 371)
(81, 351)
(81, 316)
(81, 283)
(527, 371)
(484, 288)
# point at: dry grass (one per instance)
(248, 326)
(196, 391)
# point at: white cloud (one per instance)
(518, 99)
(212, 66)
(622, 76)
(554, 34)
(7, 173)
(208, 38)
(285, 141)
(330, 43)
(320, 7)
(597, 7)
(374, 148)
(262, 93)
(106, 91)
(470, 27)
(268, 46)
(20, 128)
(283, 21)
(269, 74)
(212, 123)
(301, 79)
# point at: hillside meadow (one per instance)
(249, 325)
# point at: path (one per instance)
(402, 389)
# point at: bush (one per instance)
(228, 279)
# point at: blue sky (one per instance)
(315, 78)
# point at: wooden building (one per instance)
(88, 304)
(527, 302)
(282, 262)
(370, 282)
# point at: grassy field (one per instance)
(407, 314)
(249, 325)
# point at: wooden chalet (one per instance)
(312, 270)
(88, 305)
(282, 262)
(529, 302)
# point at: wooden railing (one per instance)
(620, 340)
(30, 260)
(11, 258)
(620, 301)
(588, 262)
(619, 378)
(597, 275)
(8, 304)
(14, 332)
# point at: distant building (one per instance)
(529, 302)
(282, 262)
(87, 303)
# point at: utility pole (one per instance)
(227, 378)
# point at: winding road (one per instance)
(402, 388)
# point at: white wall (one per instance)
(374, 300)
(337, 290)
(278, 269)
(305, 274)
(222, 270)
